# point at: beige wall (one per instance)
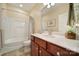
(52, 14)
(36, 14)
(55, 12)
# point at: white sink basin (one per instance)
(53, 36)
(49, 36)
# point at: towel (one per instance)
(1, 42)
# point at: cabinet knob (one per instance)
(36, 47)
(40, 51)
(58, 54)
(72, 53)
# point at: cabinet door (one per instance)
(43, 52)
(59, 51)
(34, 49)
(40, 42)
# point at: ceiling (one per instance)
(45, 10)
(26, 6)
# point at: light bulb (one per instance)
(52, 4)
(48, 6)
(77, 25)
(21, 5)
(45, 4)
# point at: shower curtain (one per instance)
(1, 43)
(0, 39)
(15, 29)
(15, 26)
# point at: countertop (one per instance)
(60, 40)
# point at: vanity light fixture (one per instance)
(45, 4)
(52, 4)
(21, 5)
(49, 4)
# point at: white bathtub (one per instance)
(13, 45)
(13, 40)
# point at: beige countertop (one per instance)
(60, 40)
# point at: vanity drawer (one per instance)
(34, 49)
(43, 52)
(59, 51)
(40, 42)
(52, 48)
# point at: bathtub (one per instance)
(13, 40)
(14, 45)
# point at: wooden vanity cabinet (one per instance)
(59, 51)
(40, 42)
(43, 52)
(34, 49)
(40, 47)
